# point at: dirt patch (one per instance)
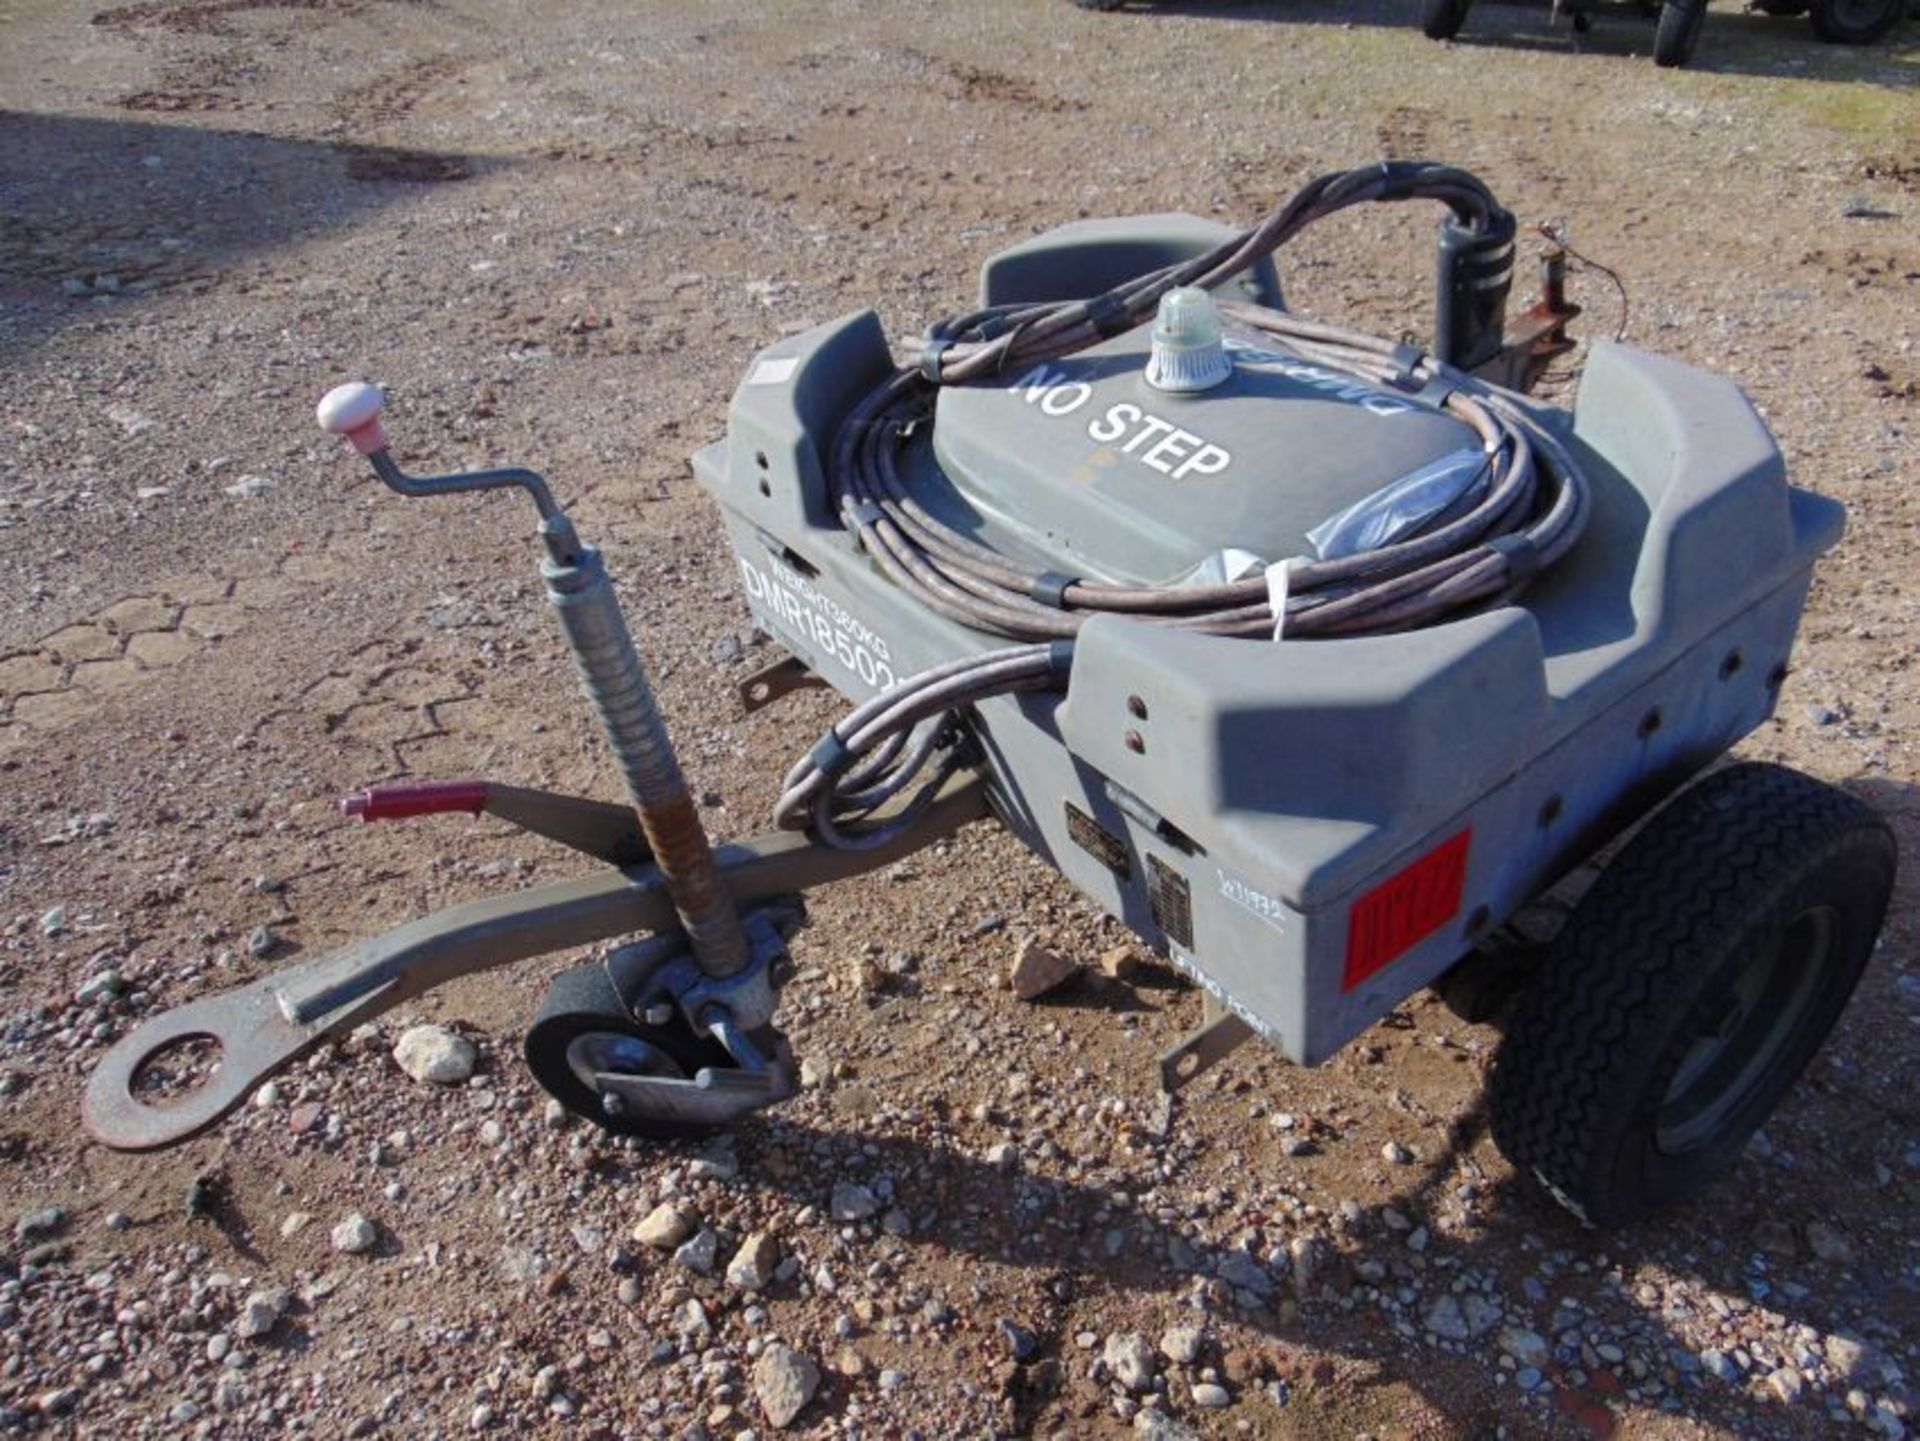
(406, 167)
(1902, 172)
(209, 17)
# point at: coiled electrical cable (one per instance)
(881, 746)
(1531, 509)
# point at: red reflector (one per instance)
(1406, 908)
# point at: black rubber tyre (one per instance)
(1783, 7)
(582, 1002)
(1854, 22)
(1442, 19)
(1677, 32)
(1688, 990)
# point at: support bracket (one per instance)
(1219, 1034)
(771, 682)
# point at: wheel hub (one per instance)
(599, 1053)
(1736, 1043)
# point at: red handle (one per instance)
(416, 798)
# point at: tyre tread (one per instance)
(1700, 867)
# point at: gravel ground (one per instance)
(558, 238)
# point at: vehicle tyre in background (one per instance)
(1677, 32)
(1442, 19)
(1854, 22)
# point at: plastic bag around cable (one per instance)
(1436, 491)
(1221, 567)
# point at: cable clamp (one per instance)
(931, 351)
(831, 756)
(1050, 588)
(864, 514)
(1277, 582)
(1435, 391)
(1521, 554)
(1060, 657)
(1109, 315)
(1407, 359)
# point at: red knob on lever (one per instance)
(353, 410)
(416, 798)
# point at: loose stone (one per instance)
(355, 1235)
(435, 1054)
(784, 1382)
(1131, 1360)
(665, 1227)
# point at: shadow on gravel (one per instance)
(95, 212)
(1733, 43)
(1512, 1244)
(1837, 1153)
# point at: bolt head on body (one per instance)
(353, 410)
(1188, 351)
